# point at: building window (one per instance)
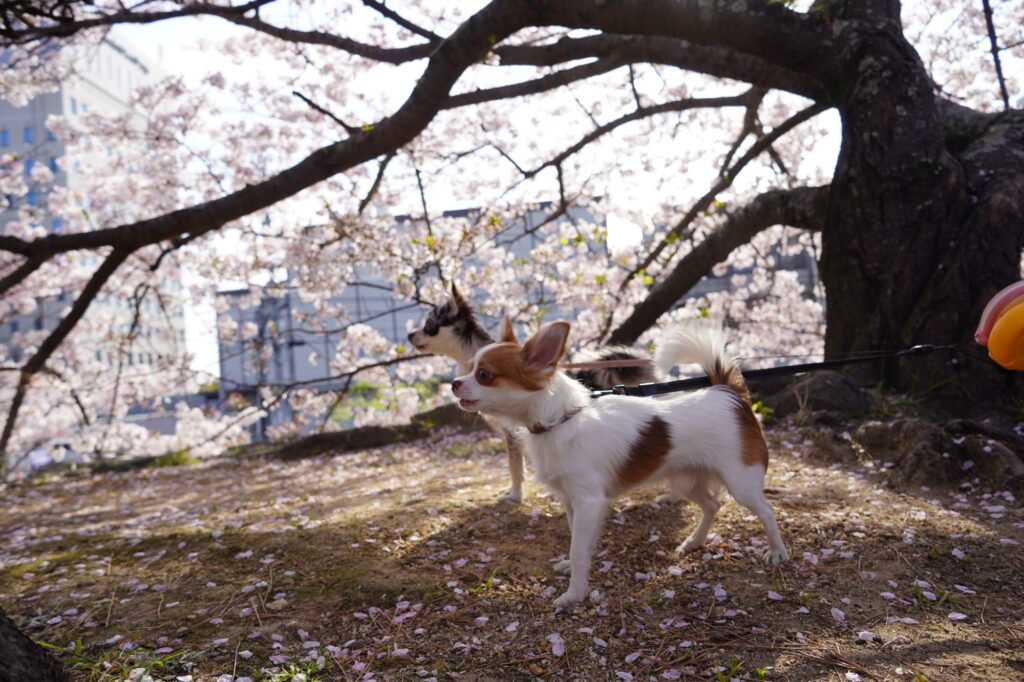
(99, 356)
(50, 137)
(57, 224)
(85, 108)
(5, 138)
(39, 323)
(30, 134)
(53, 164)
(28, 166)
(14, 326)
(74, 106)
(30, 198)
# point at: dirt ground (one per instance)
(400, 564)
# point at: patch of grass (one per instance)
(174, 459)
(297, 671)
(114, 664)
(18, 572)
(766, 413)
(733, 669)
(485, 585)
(467, 450)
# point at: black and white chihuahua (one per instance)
(451, 329)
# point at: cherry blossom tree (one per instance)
(696, 122)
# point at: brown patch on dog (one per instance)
(505, 367)
(754, 449)
(647, 454)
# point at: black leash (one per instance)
(645, 390)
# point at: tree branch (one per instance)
(724, 181)
(56, 337)
(537, 85)
(468, 45)
(382, 9)
(18, 30)
(994, 43)
(707, 59)
(19, 274)
(666, 107)
(350, 129)
(801, 207)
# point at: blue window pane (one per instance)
(50, 136)
(74, 106)
(30, 198)
(57, 224)
(30, 134)
(28, 166)
(53, 163)
(14, 326)
(5, 137)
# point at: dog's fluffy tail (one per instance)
(705, 346)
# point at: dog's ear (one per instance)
(547, 346)
(508, 334)
(457, 300)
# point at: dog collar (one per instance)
(538, 429)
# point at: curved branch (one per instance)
(801, 207)
(666, 107)
(66, 25)
(801, 42)
(710, 60)
(394, 16)
(535, 86)
(19, 274)
(468, 45)
(53, 341)
(724, 181)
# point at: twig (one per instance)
(993, 42)
(110, 607)
(351, 130)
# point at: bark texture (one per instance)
(21, 659)
(919, 233)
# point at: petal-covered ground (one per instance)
(400, 563)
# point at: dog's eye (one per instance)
(483, 376)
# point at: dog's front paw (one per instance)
(691, 544)
(571, 596)
(776, 556)
(513, 495)
(564, 566)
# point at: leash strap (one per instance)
(646, 390)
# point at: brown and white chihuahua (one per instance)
(451, 329)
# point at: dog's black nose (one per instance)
(456, 385)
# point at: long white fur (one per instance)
(579, 460)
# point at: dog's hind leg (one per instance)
(698, 490)
(747, 488)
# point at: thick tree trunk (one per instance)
(21, 659)
(918, 235)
